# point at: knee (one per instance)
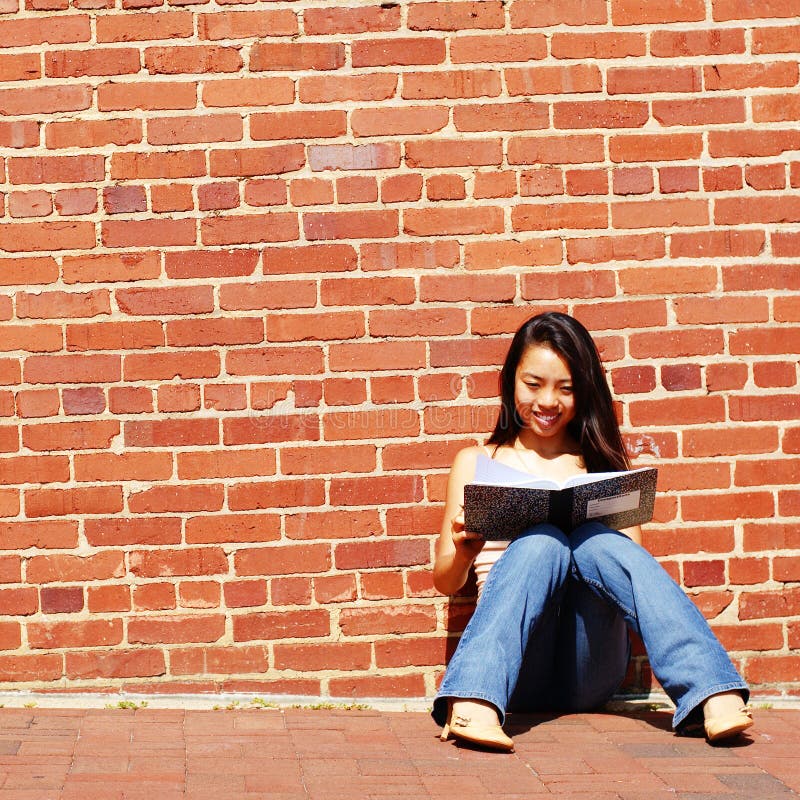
(593, 543)
(539, 545)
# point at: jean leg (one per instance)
(520, 588)
(593, 649)
(686, 657)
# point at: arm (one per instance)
(456, 548)
(634, 532)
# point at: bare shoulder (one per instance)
(463, 469)
(467, 457)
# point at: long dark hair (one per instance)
(594, 426)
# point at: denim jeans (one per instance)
(550, 630)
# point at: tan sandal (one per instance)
(491, 736)
(728, 725)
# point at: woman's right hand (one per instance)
(467, 543)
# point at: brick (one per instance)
(61, 599)
(730, 9)
(372, 224)
(171, 432)
(45, 30)
(543, 217)
(87, 633)
(698, 41)
(598, 44)
(335, 89)
(132, 166)
(458, 15)
(696, 310)
(717, 243)
(752, 143)
(176, 629)
(535, 14)
(45, 100)
(102, 565)
(223, 660)
(296, 56)
(148, 233)
(99, 61)
(154, 597)
(299, 124)
(577, 149)
(275, 361)
(383, 155)
(272, 625)
(146, 96)
(217, 196)
(244, 594)
(191, 130)
(30, 204)
(630, 12)
(246, 24)
(744, 505)
(655, 147)
(338, 20)
(600, 113)
(450, 153)
(20, 668)
(496, 48)
(83, 500)
(675, 280)
(451, 84)
(446, 221)
(632, 247)
(165, 301)
(195, 59)
(386, 620)
(131, 27)
(773, 374)
(570, 79)
(775, 39)
(267, 91)
(659, 213)
(117, 663)
(558, 285)
(257, 161)
(336, 524)
(357, 189)
(20, 602)
(45, 305)
(397, 51)
(378, 686)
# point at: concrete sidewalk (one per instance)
(294, 754)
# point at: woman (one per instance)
(550, 627)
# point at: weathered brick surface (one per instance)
(259, 266)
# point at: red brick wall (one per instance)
(260, 266)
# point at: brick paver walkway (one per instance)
(296, 754)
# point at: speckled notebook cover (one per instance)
(504, 512)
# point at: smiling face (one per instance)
(543, 393)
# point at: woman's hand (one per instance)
(467, 543)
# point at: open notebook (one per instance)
(502, 502)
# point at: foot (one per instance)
(477, 722)
(725, 716)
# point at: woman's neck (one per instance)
(545, 448)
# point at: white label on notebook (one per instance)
(612, 505)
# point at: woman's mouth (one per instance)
(544, 419)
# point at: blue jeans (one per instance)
(550, 630)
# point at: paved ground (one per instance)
(299, 754)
